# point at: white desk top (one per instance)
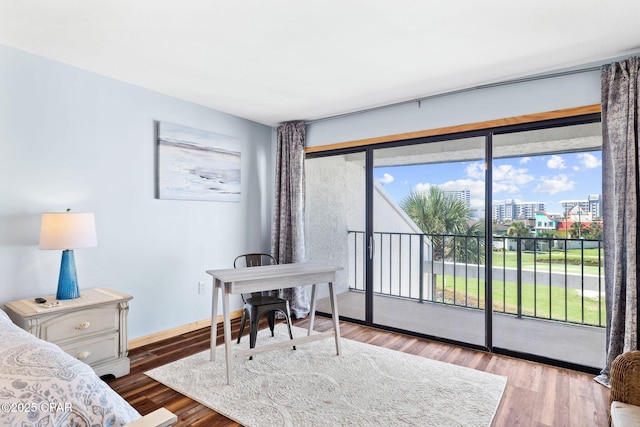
(277, 272)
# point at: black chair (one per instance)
(256, 304)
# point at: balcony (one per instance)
(555, 279)
(548, 294)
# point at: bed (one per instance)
(42, 385)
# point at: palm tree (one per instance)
(547, 234)
(446, 220)
(575, 231)
(520, 229)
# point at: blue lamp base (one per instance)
(68, 280)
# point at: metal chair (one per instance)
(256, 304)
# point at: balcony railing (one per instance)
(553, 279)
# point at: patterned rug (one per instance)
(311, 386)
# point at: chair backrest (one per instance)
(253, 260)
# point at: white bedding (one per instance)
(41, 385)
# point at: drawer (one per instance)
(79, 324)
(94, 350)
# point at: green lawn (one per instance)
(565, 305)
(573, 260)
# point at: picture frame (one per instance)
(194, 164)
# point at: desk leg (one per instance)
(214, 321)
(312, 313)
(336, 318)
(227, 336)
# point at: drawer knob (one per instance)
(83, 325)
(83, 355)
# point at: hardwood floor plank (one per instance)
(535, 395)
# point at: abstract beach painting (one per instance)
(197, 165)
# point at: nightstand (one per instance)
(91, 328)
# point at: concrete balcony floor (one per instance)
(577, 344)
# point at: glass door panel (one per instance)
(548, 273)
(429, 239)
(335, 225)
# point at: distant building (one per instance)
(514, 209)
(564, 228)
(593, 205)
(544, 222)
(462, 195)
(578, 214)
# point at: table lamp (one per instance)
(67, 231)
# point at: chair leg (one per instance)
(242, 322)
(288, 316)
(253, 330)
(271, 318)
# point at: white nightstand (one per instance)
(92, 328)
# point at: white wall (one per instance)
(74, 139)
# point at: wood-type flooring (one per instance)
(536, 395)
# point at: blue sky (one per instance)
(547, 179)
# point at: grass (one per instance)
(540, 259)
(548, 302)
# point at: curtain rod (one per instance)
(455, 92)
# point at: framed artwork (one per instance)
(195, 164)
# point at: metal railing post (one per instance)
(519, 276)
(421, 268)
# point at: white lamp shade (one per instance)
(68, 230)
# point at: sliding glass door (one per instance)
(548, 276)
(416, 223)
(429, 238)
(335, 208)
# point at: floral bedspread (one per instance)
(41, 385)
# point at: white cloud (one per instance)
(525, 160)
(509, 188)
(506, 178)
(589, 161)
(556, 162)
(475, 170)
(474, 186)
(509, 173)
(554, 185)
(509, 179)
(386, 179)
(422, 187)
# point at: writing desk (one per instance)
(266, 278)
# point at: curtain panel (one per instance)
(620, 189)
(287, 233)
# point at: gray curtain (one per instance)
(620, 189)
(287, 232)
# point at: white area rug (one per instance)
(311, 386)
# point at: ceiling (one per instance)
(279, 60)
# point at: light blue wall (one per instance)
(472, 106)
(73, 139)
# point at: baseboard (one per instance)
(178, 330)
